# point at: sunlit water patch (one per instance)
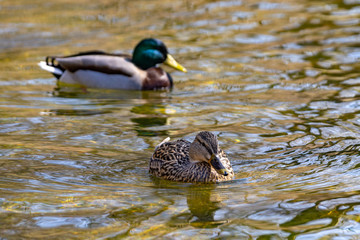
(277, 82)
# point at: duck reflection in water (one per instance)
(203, 203)
(151, 119)
(150, 107)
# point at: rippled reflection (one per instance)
(276, 81)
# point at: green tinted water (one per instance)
(277, 81)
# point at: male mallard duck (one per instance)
(98, 69)
(199, 161)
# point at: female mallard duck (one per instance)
(199, 161)
(98, 69)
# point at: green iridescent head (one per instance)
(150, 52)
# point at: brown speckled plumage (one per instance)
(171, 161)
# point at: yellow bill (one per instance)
(170, 61)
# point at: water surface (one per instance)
(277, 81)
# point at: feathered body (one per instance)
(172, 161)
(97, 69)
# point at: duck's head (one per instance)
(150, 52)
(205, 147)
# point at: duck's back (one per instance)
(101, 71)
(169, 158)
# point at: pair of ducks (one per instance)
(199, 161)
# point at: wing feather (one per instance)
(101, 63)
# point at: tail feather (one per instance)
(164, 141)
(54, 70)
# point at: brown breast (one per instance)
(157, 78)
